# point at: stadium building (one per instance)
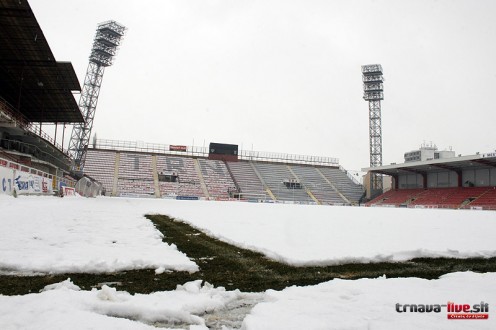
(221, 172)
(428, 152)
(463, 182)
(37, 91)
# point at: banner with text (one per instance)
(6, 180)
(27, 183)
(178, 148)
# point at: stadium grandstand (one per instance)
(184, 172)
(463, 182)
(35, 91)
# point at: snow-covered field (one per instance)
(305, 235)
(65, 306)
(338, 304)
(371, 304)
(55, 235)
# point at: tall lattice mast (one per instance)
(107, 40)
(373, 92)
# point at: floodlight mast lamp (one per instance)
(373, 92)
(105, 45)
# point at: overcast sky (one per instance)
(284, 76)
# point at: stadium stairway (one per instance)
(314, 182)
(155, 176)
(202, 180)
(136, 175)
(346, 186)
(187, 183)
(233, 178)
(304, 186)
(395, 197)
(267, 189)
(116, 173)
(274, 175)
(326, 179)
(217, 178)
(486, 200)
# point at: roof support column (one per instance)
(460, 178)
(396, 181)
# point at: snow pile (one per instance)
(65, 285)
(371, 304)
(58, 235)
(337, 304)
(64, 306)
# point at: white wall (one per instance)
(6, 181)
(445, 179)
(410, 181)
(480, 177)
(27, 183)
(442, 179)
(12, 180)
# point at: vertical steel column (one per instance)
(87, 103)
(373, 93)
(375, 139)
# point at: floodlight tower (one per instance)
(373, 92)
(107, 40)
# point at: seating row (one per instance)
(134, 173)
(459, 197)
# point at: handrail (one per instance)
(21, 120)
(139, 146)
(31, 146)
(350, 176)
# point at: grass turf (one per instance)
(222, 264)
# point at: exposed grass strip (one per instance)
(222, 264)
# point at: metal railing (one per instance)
(154, 148)
(18, 119)
(287, 158)
(194, 151)
(38, 153)
(350, 176)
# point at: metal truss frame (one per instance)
(107, 40)
(373, 93)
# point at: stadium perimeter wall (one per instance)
(17, 179)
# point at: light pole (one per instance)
(373, 92)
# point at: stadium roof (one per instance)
(31, 81)
(460, 163)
